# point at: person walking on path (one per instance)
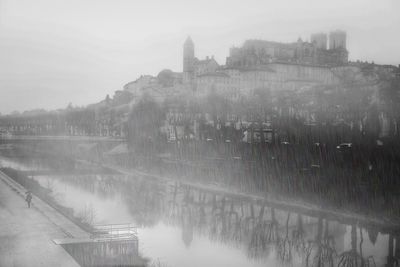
(28, 198)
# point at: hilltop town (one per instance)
(200, 133)
(258, 64)
(277, 119)
(299, 69)
(296, 79)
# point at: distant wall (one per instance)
(235, 82)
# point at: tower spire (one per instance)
(188, 41)
(188, 59)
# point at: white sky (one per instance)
(55, 52)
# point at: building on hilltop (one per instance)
(165, 85)
(337, 40)
(257, 64)
(258, 52)
(192, 66)
(188, 60)
(264, 64)
(320, 40)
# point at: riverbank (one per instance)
(45, 195)
(187, 215)
(275, 200)
(344, 213)
(276, 175)
(26, 234)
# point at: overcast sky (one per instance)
(55, 52)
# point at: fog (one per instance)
(56, 52)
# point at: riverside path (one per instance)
(26, 234)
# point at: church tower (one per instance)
(337, 40)
(188, 60)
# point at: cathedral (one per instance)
(264, 64)
(256, 65)
(316, 52)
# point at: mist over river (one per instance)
(182, 225)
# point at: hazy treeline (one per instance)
(204, 139)
(102, 119)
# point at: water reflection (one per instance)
(182, 225)
(261, 233)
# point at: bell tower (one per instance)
(188, 60)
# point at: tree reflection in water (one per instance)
(298, 236)
(324, 247)
(263, 231)
(352, 257)
(284, 245)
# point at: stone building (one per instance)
(167, 84)
(337, 40)
(320, 40)
(260, 64)
(257, 64)
(236, 82)
(258, 52)
(192, 66)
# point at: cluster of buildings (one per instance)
(260, 65)
(257, 64)
(315, 52)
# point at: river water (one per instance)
(180, 225)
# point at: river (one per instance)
(180, 225)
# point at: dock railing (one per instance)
(114, 232)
